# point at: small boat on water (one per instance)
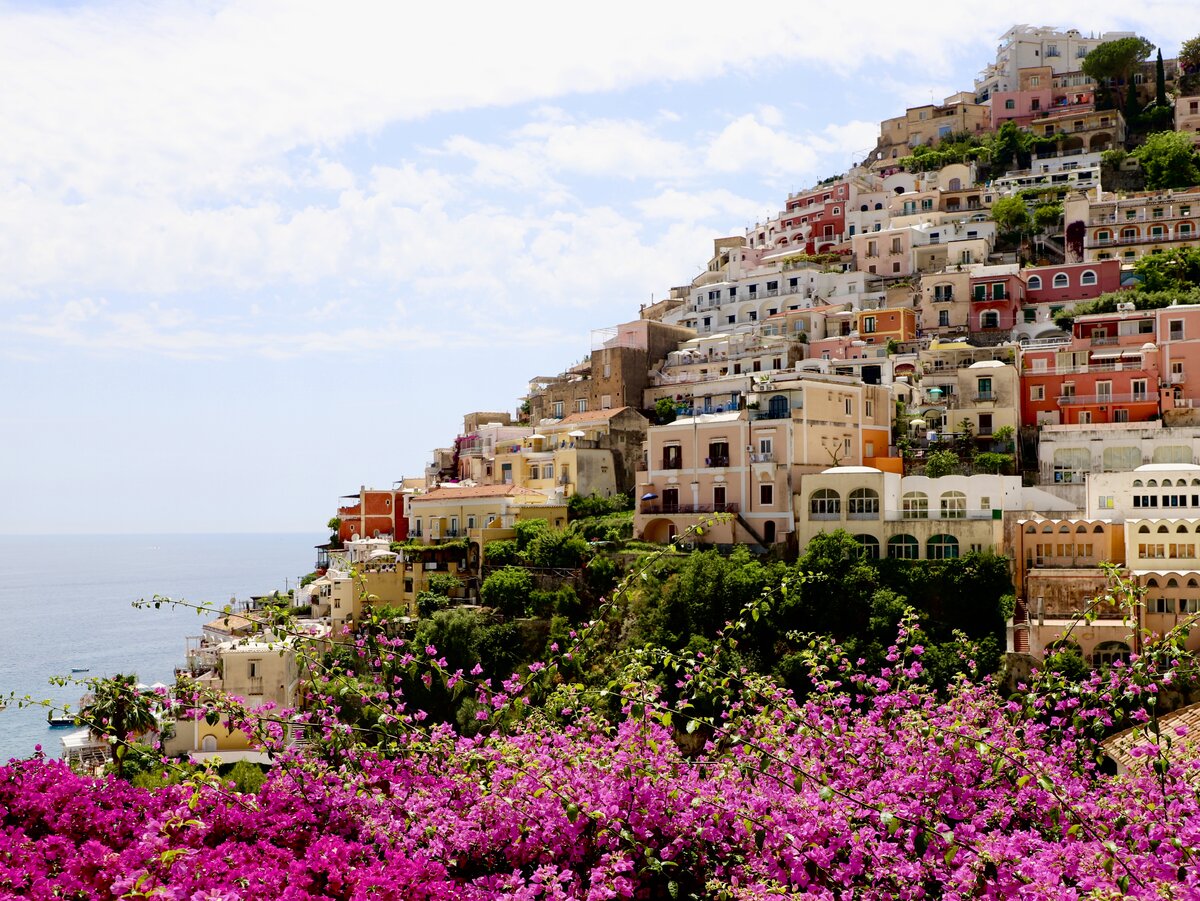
(55, 720)
(81, 669)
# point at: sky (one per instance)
(255, 255)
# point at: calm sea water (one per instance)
(67, 602)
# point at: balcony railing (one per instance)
(672, 463)
(656, 509)
(1140, 239)
(770, 414)
(985, 397)
(255, 686)
(767, 457)
(1090, 399)
(1104, 340)
(716, 462)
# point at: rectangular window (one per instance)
(1175, 328)
(558, 409)
(766, 495)
(1037, 392)
(470, 522)
(868, 324)
(581, 405)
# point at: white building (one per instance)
(1027, 46)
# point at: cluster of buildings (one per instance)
(800, 383)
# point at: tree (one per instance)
(1048, 216)
(119, 710)
(1116, 61)
(507, 590)
(1177, 269)
(1160, 81)
(664, 410)
(1189, 55)
(941, 463)
(1010, 214)
(1169, 160)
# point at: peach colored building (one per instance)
(1128, 227)
(1187, 116)
(745, 463)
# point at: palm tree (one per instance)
(118, 709)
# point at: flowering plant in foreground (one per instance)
(870, 787)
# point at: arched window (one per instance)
(989, 319)
(1164, 530)
(1035, 283)
(1099, 530)
(863, 208)
(942, 547)
(1062, 280)
(870, 546)
(777, 407)
(1152, 582)
(915, 505)
(1152, 483)
(1104, 235)
(863, 504)
(879, 206)
(1031, 529)
(1108, 652)
(1121, 459)
(1048, 529)
(1185, 228)
(1172, 582)
(1143, 529)
(954, 505)
(903, 547)
(955, 184)
(1064, 529)
(1127, 233)
(1181, 528)
(1088, 277)
(1081, 529)
(825, 503)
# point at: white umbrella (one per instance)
(577, 433)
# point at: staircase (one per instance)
(1055, 251)
(1020, 628)
(759, 544)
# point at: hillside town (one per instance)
(983, 338)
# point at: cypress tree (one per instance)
(1160, 81)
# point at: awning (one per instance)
(1106, 354)
(1132, 353)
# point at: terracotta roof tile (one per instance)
(444, 493)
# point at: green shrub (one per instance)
(507, 590)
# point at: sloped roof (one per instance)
(591, 416)
(445, 493)
(1121, 746)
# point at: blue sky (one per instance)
(254, 255)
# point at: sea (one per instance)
(66, 602)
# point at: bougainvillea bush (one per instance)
(872, 786)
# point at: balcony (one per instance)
(757, 415)
(1141, 239)
(254, 685)
(672, 463)
(985, 397)
(1104, 340)
(689, 509)
(1093, 399)
(716, 462)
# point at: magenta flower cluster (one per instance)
(877, 789)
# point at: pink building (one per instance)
(996, 296)
(1109, 371)
(1071, 282)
